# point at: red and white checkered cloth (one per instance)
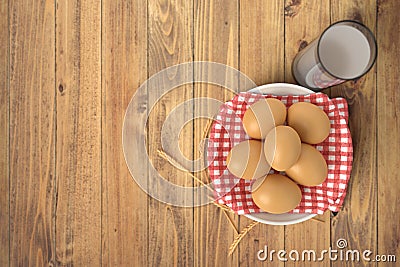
(227, 131)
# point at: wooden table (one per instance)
(68, 70)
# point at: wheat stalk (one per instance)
(203, 138)
(230, 221)
(207, 128)
(177, 165)
(240, 236)
(223, 207)
(317, 219)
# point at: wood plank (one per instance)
(78, 85)
(262, 54)
(262, 59)
(4, 140)
(32, 133)
(388, 129)
(216, 39)
(170, 43)
(357, 220)
(124, 218)
(305, 21)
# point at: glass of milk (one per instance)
(346, 50)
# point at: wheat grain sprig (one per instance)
(225, 209)
(240, 236)
(177, 165)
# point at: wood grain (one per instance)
(32, 133)
(4, 136)
(124, 54)
(170, 43)
(262, 59)
(68, 70)
(357, 220)
(304, 21)
(216, 39)
(388, 125)
(262, 41)
(78, 74)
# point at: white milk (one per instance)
(344, 52)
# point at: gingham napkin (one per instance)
(227, 131)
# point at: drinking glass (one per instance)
(346, 50)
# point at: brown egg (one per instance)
(282, 147)
(277, 194)
(310, 122)
(246, 160)
(262, 116)
(311, 168)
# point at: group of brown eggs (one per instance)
(280, 138)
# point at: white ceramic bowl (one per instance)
(285, 218)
